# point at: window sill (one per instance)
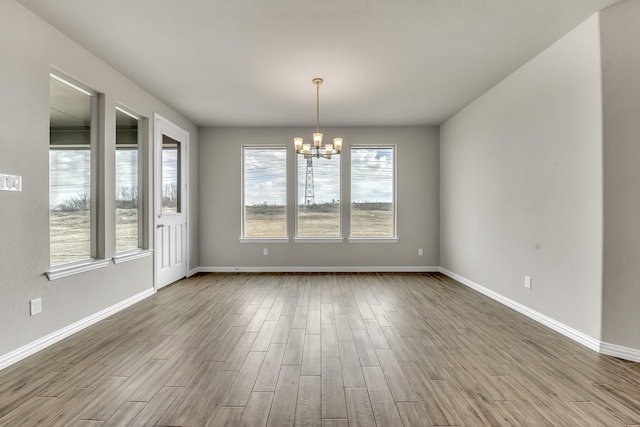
(318, 240)
(372, 240)
(130, 256)
(76, 268)
(264, 240)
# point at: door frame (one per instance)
(163, 126)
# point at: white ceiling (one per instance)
(251, 62)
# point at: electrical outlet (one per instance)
(35, 306)
(527, 282)
(265, 251)
(420, 252)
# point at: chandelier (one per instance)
(309, 151)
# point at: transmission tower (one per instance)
(309, 198)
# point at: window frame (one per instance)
(394, 187)
(169, 142)
(309, 239)
(243, 238)
(131, 253)
(92, 262)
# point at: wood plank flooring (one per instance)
(322, 350)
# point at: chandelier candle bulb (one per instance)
(317, 139)
(337, 142)
(297, 142)
(328, 149)
(306, 149)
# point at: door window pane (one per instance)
(265, 192)
(372, 192)
(318, 197)
(170, 176)
(70, 230)
(127, 214)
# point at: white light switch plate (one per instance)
(10, 182)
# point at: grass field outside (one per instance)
(70, 234)
(70, 231)
(321, 220)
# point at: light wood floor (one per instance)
(319, 350)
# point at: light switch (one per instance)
(10, 182)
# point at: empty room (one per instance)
(338, 213)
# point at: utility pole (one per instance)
(309, 198)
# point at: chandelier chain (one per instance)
(317, 106)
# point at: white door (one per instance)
(171, 147)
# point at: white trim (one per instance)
(71, 269)
(243, 238)
(318, 240)
(394, 148)
(64, 80)
(130, 256)
(596, 345)
(263, 240)
(372, 240)
(296, 196)
(44, 342)
(619, 351)
(319, 269)
(124, 111)
(565, 330)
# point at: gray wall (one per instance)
(519, 184)
(28, 49)
(220, 201)
(521, 187)
(621, 98)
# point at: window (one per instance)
(71, 177)
(127, 180)
(373, 192)
(318, 210)
(171, 176)
(264, 174)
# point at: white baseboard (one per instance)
(321, 269)
(565, 330)
(620, 352)
(44, 342)
(592, 343)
